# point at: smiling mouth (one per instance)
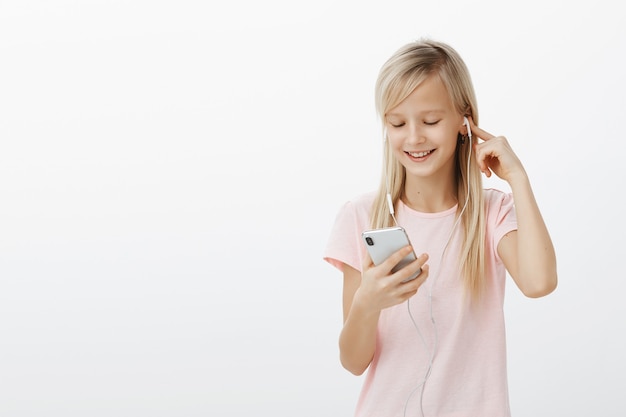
(420, 154)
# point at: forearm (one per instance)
(536, 259)
(357, 341)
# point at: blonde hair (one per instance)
(398, 77)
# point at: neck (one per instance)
(429, 196)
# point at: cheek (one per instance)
(444, 134)
(445, 137)
(393, 136)
(396, 144)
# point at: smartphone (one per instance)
(381, 243)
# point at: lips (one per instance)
(421, 154)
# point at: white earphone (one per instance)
(469, 129)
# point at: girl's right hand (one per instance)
(380, 288)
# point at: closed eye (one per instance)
(398, 125)
(431, 123)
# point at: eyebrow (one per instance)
(422, 113)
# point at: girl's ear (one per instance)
(465, 129)
(465, 132)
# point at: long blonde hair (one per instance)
(398, 77)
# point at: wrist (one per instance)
(364, 306)
(518, 179)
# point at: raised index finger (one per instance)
(477, 131)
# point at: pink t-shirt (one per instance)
(468, 369)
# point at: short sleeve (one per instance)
(344, 244)
(501, 215)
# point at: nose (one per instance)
(415, 134)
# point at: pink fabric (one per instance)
(468, 376)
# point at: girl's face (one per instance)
(422, 131)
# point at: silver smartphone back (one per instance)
(381, 243)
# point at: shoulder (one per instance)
(499, 208)
(495, 199)
(360, 204)
(363, 200)
(356, 211)
(493, 195)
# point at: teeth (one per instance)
(419, 154)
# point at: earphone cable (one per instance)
(430, 294)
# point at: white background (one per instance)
(170, 171)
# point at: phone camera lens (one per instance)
(369, 241)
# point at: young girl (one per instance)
(435, 345)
